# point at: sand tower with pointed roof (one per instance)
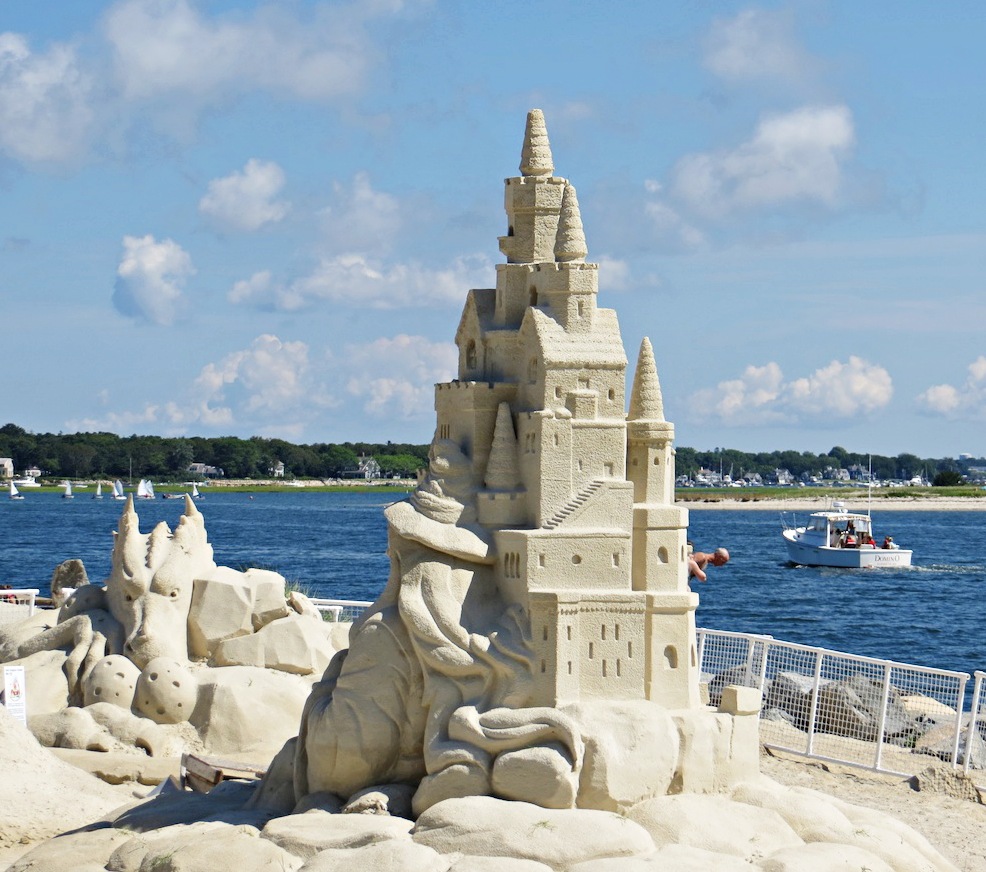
(577, 494)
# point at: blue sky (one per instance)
(262, 218)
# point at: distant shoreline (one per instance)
(858, 504)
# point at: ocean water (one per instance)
(334, 545)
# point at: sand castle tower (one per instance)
(577, 494)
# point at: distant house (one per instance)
(32, 472)
(6, 467)
(205, 470)
(782, 477)
(277, 470)
(367, 468)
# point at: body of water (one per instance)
(333, 545)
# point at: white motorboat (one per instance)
(27, 481)
(840, 538)
(14, 493)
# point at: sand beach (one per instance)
(854, 501)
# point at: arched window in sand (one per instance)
(534, 296)
(532, 370)
(671, 657)
(471, 355)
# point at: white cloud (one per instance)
(246, 200)
(45, 111)
(756, 44)
(150, 279)
(362, 219)
(266, 380)
(614, 273)
(275, 387)
(761, 396)
(792, 159)
(669, 225)
(167, 47)
(396, 377)
(357, 280)
(965, 402)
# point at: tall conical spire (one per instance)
(502, 470)
(646, 402)
(535, 157)
(570, 240)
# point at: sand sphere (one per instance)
(166, 691)
(113, 680)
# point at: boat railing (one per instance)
(17, 604)
(340, 610)
(845, 708)
(789, 521)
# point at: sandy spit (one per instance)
(815, 504)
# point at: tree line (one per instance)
(82, 455)
(898, 467)
(85, 455)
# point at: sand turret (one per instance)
(535, 155)
(570, 241)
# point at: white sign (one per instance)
(15, 692)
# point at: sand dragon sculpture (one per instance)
(171, 639)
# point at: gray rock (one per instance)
(851, 707)
(68, 576)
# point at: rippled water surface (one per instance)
(334, 545)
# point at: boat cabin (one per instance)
(838, 529)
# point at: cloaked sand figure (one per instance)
(142, 612)
(436, 685)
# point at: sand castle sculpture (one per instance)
(525, 689)
(539, 579)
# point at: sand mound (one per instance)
(40, 795)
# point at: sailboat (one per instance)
(14, 493)
(118, 493)
(68, 491)
(145, 490)
(195, 492)
(99, 491)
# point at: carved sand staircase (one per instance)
(573, 505)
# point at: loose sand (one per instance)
(855, 501)
(947, 810)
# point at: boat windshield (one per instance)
(818, 524)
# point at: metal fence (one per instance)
(15, 605)
(843, 708)
(340, 610)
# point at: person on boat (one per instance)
(699, 560)
(888, 542)
(849, 539)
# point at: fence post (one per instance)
(973, 718)
(814, 702)
(764, 654)
(883, 716)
